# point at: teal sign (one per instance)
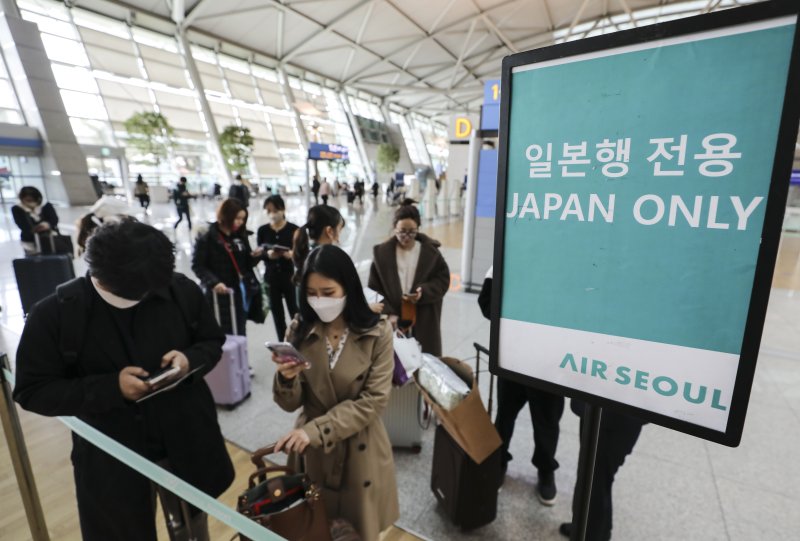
(637, 185)
(635, 245)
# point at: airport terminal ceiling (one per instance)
(431, 56)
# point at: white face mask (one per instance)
(276, 217)
(113, 300)
(327, 308)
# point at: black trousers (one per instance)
(181, 213)
(144, 200)
(116, 502)
(618, 435)
(546, 410)
(324, 199)
(281, 288)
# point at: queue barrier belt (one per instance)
(159, 475)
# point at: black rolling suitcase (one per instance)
(38, 276)
(466, 490)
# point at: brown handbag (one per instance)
(302, 519)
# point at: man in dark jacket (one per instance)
(546, 410)
(87, 351)
(182, 197)
(618, 435)
(239, 191)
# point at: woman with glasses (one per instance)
(413, 277)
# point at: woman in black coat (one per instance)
(32, 217)
(224, 262)
(277, 237)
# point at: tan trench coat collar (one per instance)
(353, 362)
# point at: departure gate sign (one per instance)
(642, 183)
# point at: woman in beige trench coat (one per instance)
(342, 391)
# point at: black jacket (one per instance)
(211, 262)
(26, 223)
(181, 422)
(281, 267)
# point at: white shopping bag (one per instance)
(409, 352)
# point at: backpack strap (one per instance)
(190, 317)
(73, 316)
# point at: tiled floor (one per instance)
(673, 486)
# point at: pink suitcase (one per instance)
(230, 380)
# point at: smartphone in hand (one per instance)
(162, 375)
(287, 353)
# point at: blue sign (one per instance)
(323, 151)
(490, 112)
(485, 206)
(795, 178)
(491, 92)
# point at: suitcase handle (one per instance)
(38, 242)
(232, 303)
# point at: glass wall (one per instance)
(108, 71)
(9, 108)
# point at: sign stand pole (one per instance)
(590, 433)
(19, 457)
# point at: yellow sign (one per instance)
(463, 127)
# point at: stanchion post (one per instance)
(19, 457)
(590, 432)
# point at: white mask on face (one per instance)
(327, 308)
(276, 217)
(113, 300)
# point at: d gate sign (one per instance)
(642, 185)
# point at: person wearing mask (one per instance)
(33, 218)
(142, 192)
(325, 191)
(224, 262)
(181, 196)
(323, 225)
(88, 350)
(408, 269)
(546, 410)
(342, 392)
(276, 238)
(616, 440)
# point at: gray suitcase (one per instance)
(403, 417)
(229, 381)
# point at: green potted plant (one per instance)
(236, 145)
(150, 134)
(388, 156)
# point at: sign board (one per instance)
(490, 111)
(641, 190)
(322, 151)
(486, 201)
(795, 178)
(461, 127)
